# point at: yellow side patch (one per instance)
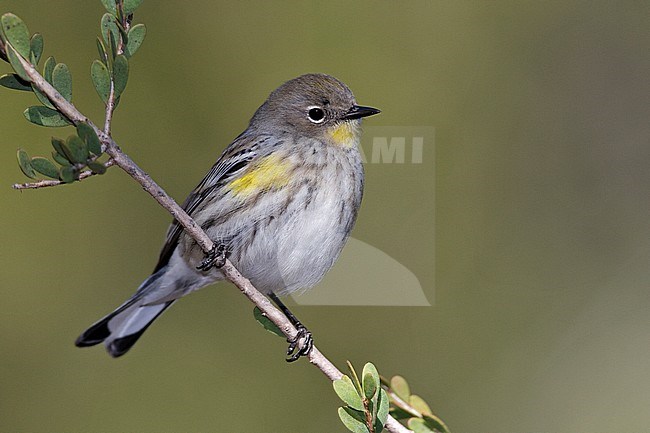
(345, 134)
(267, 173)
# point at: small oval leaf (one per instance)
(42, 98)
(25, 164)
(16, 33)
(120, 74)
(58, 145)
(419, 404)
(62, 80)
(101, 50)
(109, 5)
(266, 322)
(45, 167)
(36, 48)
(383, 406)
(348, 393)
(101, 79)
(13, 81)
(108, 28)
(131, 5)
(399, 385)
(45, 117)
(370, 378)
(436, 424)
(68, 174)
(97, 167)
(14, 60)
(135, 39)
(62, 160)
(418, 426)
(48, 68)
(352, 420)
(76, 150)
(88, 135)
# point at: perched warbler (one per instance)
(280, 203)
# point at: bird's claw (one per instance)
(216, 257)
(304, 349)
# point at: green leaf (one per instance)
(101, 49)
(436, 424)
(109, 5)
(370, 380)
(97, 167)
(113, 44)
(419, 426)
(42, 98)
(109, 27)
(13, 81)
(348, 393)
(25, 164)
(45, 116)
(135, 39)
(14, 60)
(120, 74)
(399, 414)
(400, 387)
(16, 33)
(420, 405)
(48, 69)
(62, 80)
(101, 79)
(266, 322)
(69, 174)
(353, 372)
(58, 145)
(36, 48)
(383, 405)
(61, 159)
(88, 135)
(76, 150)
(131, 5)
(353, 420)
(45, 167)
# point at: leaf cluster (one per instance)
(366, 401)
(412, 408)
(119, 41)
(72, 155)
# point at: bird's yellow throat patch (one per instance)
(268, 173)
(345, 134)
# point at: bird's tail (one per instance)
(120, 330)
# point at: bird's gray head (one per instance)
(314, 106)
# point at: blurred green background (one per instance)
(540, 278)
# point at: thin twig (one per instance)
(191, 228)
(111, 103)
(406, 407)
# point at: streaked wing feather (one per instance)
(231, 163)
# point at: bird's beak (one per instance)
(358, 111)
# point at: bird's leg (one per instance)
(215, 257)
(302, 333)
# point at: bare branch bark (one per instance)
(191, 228)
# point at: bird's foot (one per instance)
(305, 348)
(216, 257)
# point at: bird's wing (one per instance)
(232, 162)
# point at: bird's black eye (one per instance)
(316, 114)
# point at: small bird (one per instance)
(279, 203)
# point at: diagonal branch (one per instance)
(191, 228)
